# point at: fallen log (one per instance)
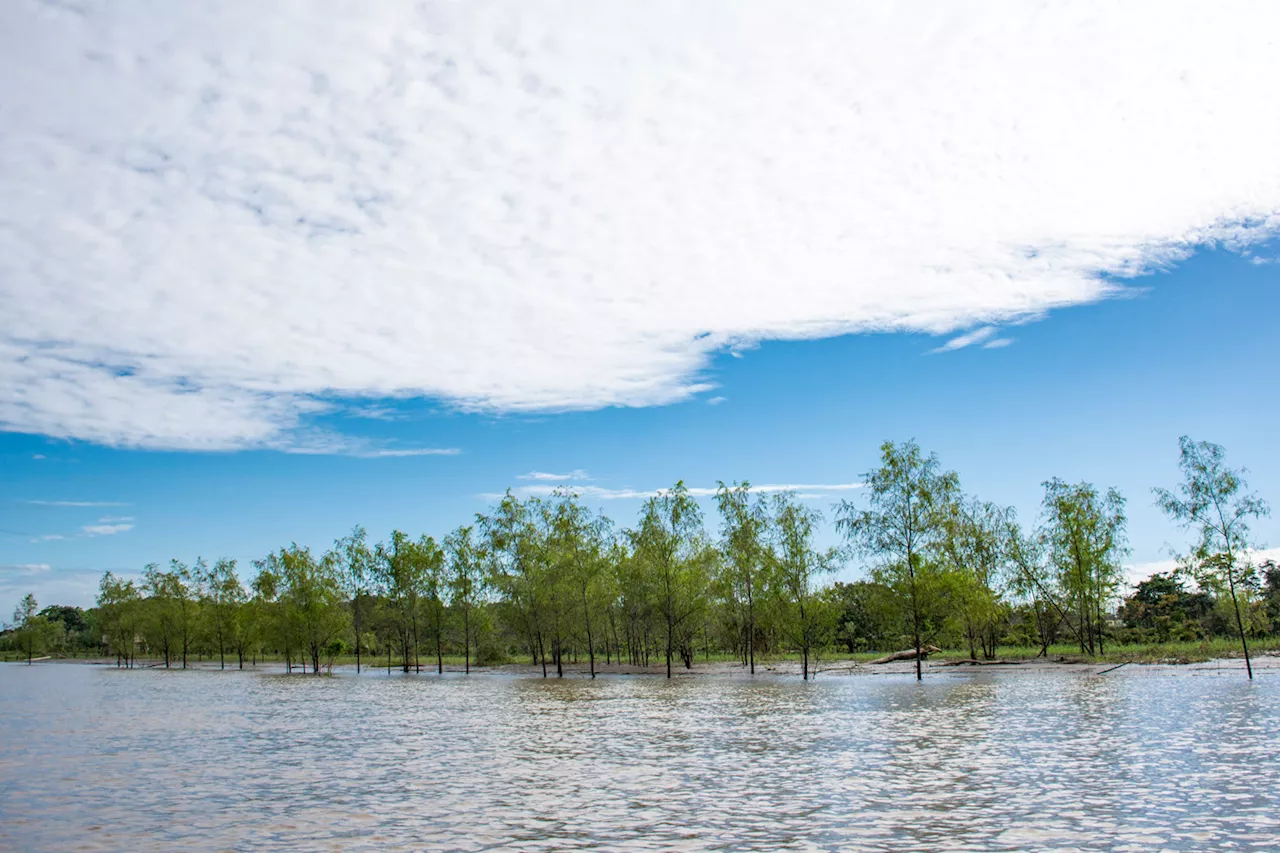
(972, 662)
(908, 654)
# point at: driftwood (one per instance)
(908, 654)
(972, 662)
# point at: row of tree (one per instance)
(553, 580)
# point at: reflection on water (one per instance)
(94, 758)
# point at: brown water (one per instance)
(94, 758)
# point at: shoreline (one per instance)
(939, 667)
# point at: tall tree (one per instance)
(516, 554)
(904, 518)
(976, 544)
(221, 597)
(668, 542)
(118, 602)
(1212, 500)
(29, 626)
(357, 562)
(799, 567)
(743, 527)
(1084, 535)
(579, 540)
(429, 559)
(314, 593)
(401, 568)
(162, 629)
(466, 582)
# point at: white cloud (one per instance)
(715, 401)
(967, 339)
(217, 219)
(998, 343)
(1136, 572)
(112, 519)
(24, 569)
(37, 456)
(606, 494)
(104, 529)
(74, 503)
(575, 474)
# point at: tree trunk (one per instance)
(1231, 583)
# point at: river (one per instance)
(92, 758)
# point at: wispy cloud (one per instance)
(715, 401)
(574, 475)
(105, 529)
(997, 343)
(967, 339)
(74, 503)
(807, 490)
(24, 568)
(409, 232)
(334, 444)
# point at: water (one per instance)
(1141, 759)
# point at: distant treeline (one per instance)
(551, 581)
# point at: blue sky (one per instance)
(1098, 392)
(269, 271)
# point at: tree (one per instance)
(161, 626)
(975, 545)
(1211, 500)
(466, 582)
(430, 567)
(579, 540)
(799, 565)
(1084, 536)
(118, 602)
(667, 543)
(357, 579)
(1162, 604)
(904, 519)
(743, 526)
(312, 589)
(516, 555)
(401, 570)
(221, 597)
(29, 627)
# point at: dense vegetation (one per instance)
(553, 582)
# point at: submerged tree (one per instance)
(1084, 536)
(357, 575)
(667, 543)
(744, 526)
(118, 604)
(221, 597)
(29, 626)
(466, 583)
(907, 496)
(1211, 500)
(314, 595)
(798, 568)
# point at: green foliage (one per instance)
(552, 581)
(1212, 502)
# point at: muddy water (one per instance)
(94, 758)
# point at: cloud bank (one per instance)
(218, 219)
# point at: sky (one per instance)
(267, 272)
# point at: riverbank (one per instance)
(1266, 662)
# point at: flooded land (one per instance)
(1001, 758)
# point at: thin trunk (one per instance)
(466, 639)
(1231, 583)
